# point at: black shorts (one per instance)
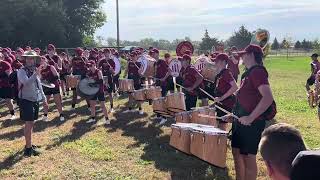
(170, 84)
(6, 93)
(247, 138)
(110, 88)
(100, 96)
(51, 91)
(311, 80)
(29, 111)
(191, 101)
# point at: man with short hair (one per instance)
(279, 145)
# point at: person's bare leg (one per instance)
(10, 105)
(57, 100)
(46, 106)
(104, 109)
(27, 133)
(251, 169)
(74, 97)
(111, 100)
(93, 108)
(238, 164)
(63, 87)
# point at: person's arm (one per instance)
(231, 91)
(24, 79)
(54, 71)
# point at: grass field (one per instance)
(133, 146)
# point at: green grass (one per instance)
(134, 147)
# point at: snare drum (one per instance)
(147, 66)
(159, 106)
(206, 111)
(139, 95)
(126, 85)
(153, 93)
(176, 102)
(183, 117)
(73, 80)
(209, 144)
(209, 71)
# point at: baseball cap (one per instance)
(306, 165)
(222, 57)
(256, 50)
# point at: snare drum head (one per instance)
(175, 67)
(117, 68)
(201, 63)
(86, 89)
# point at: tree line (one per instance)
(286, 43)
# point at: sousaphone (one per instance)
(261, 38)
(183, 47)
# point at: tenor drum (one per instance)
(209, 71)
(183, 117)
(139, 95)
(159, 106)
(209, 144)
(206, 111)
(180, 137)
(72, 80)
(176, 102)
(147, 66)
(153, 93)
(126, 85)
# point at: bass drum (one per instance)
(183, 47)
(175, 67)
(86, 90)
(147, 65)
(201, 62)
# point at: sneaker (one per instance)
(73, 105)
(111, 110)
(91, 120)
(32, 151)
(13, 117)
(62, 118)
(163, 121)
(108, 122)
(141, 112)
(127, 111)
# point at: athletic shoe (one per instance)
(13, 117)
(108, 122)
(141, 112)
(73, 105)
(62, 118)
(111, 110)
(32, 151)
(163, 121)
(91, 120)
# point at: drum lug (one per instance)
(203, 137)
(179, 132)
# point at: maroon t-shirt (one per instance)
(4, 82)
(248, 95)
(234, 68)
(189, 77)
(223, 85)
(79, 65)
(66, 66)
(105, 65)
(47, 75)
(12, 57)
(8, 59)
(161, 68)
(132, 68)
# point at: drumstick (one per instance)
(223, 110)
(210, 117)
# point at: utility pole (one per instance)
(118, 33)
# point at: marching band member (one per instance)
(66, 70)
(30, 94)
(117, 76)
(49, 74)
(97, 76)
(93, 56)
(191, 79)
(254, 106)
(19, 54)
(78, 68)
(107, 66)
(7, 55)
(233, 64)
(225, 87)
(37, 50)
(53, 58)
(167, 58)
(133, 72)
(5, 86)
(315, 67)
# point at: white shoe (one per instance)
(163, 121)
(108, 122)
(13, 117)
(111, 110)
(91, 120)
(141, 112)
(127, 111)
(62, 118)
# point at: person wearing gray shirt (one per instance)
(30, 94)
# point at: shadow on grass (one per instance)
(158, 150)
(11, 160)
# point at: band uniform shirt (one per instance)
(47, 75)
(79, 65)
(4, 81)
(189, 78)
(223, 85)
(161, 70)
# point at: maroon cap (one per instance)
(93, 51)
(51, 47)
(37, 49)
(233, 48)
(186, 57)
(63, 54)
(188, 52)
(116, 54)
(106, 50)
(155, 50)
(79, 50)
(5, 50)
(222, 57)
(167, 55)
(256, 50)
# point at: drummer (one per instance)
(225, 87)
(233, 63)
(96, 74)
(5, 86)
(93, 56)
(53, 58)
(191, 79)
(254, 106)
(50, 75)
(107, 66)
(116, 77)
(66, 70)
(133, 72)
(78, 68)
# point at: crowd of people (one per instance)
(23, 72)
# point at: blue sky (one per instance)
(171, 19)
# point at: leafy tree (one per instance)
(297, 45)
(208, 42)
(275, 45)
(285, 44)
(240, 38)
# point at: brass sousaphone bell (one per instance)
(261, 38)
